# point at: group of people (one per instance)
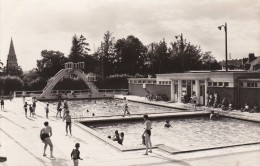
(32, 108)
(118, 137)
(249, 109)
(213, 100)
(45, 136)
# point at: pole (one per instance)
(226, 47)
(182, 58)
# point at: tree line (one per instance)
(127, 57)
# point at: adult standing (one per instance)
(147, 134)
(45, 135)
(34, 105)
(194, 101)
(67, 117)
(65, 107)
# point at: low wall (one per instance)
(249, 96)
(138, 90)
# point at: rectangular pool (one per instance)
(186, 134)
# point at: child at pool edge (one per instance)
(167, 124)
(121, 138)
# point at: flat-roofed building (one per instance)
(238, 87)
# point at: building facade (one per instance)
(237, 87)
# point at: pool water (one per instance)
(187, 134)
(110, 108)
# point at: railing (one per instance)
(113, 91)
(72, 92)
(27, 93)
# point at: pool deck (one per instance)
(20, 143)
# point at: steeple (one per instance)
(11, 58)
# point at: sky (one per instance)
(36, 25)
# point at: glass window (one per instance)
(154, 82)
(220, 84)
(241, 84)
(215, 84)
(226, 84)
(209, 83)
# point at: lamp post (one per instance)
(182, 49)
(225, 28)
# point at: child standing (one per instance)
(47, 110)
(75, 155)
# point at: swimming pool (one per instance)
(187, 134)
(110, 107)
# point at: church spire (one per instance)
(11, 58)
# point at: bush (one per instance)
(10, 83)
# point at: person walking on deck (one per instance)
(25, 108)
(45, 135)
(147, 134)
(67, 117)
(2, 104)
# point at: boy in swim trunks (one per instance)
(67, 117)
(45, 135)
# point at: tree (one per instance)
(13, 70)
(106, 55)
(79, 49)
(51, 63)
(185, 56)
(130, 55)
(209, 62)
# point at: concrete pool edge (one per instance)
(173, 151)
(140, 117)
(150, 103)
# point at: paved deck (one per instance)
(20, 143)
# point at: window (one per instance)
(241, 84)
(226, 84)
(220, 84)
(215, 84)
(139, 82)
(160, 82)
(209, 83)
(251, 84)
(154, 82)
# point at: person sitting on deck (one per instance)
(167, 124)
(116, 136)
(224, 104)
(230, 106)
(254, 109)
(246, 109)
